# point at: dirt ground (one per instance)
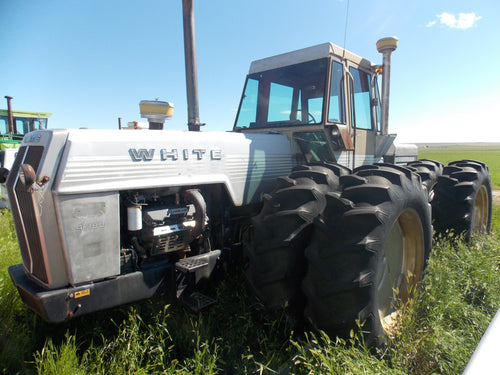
(496, 196)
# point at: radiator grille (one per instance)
(24, 214)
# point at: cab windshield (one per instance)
(287, 96)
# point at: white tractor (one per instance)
(331, 214)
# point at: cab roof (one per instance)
(319, 51)
(28, 114)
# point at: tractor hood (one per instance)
(89, 161)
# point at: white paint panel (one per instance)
(110, 160)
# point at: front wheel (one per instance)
(368, 251)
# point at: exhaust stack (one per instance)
(386, 46)
(190, 61)
(9, 112)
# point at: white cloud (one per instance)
(447, 19)
(467, 20)
(463, 21)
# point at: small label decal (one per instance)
(82, 293)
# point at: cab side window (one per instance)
(336, 113)
(361, 90)
(21, 126)
(4, 125)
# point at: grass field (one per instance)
(440, 329)
(489, 154)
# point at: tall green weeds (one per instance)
(438, 333)
(453, 307)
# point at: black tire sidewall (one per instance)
(362, 229)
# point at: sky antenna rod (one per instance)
(345, 27)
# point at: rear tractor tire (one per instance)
(429, 171)
(463, 199)
(282, 230)
(368, 251)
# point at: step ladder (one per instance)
(186, 283)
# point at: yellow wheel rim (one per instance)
(480, 213)
(402, 265)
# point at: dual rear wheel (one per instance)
(463, 199)
(370, 244)
(357, 246)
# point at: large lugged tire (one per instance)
(429, 171)
(372, 239)
(463, 201)
(282, 231)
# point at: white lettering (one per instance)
(199, 153)
(216, 154)
(173, 154)
(141, 154)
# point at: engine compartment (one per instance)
(156, 225)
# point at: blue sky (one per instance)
(90, 62)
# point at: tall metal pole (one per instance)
(386, 46)
(190, 61)
(9, 113)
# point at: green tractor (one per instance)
(13, 126)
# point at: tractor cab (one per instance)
(327, 102)
(13, 126)
(23, 123)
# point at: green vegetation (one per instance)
(438, 334)
(487, 154)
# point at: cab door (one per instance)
(363, 115)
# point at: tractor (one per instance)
(13, 126)
(334, 219)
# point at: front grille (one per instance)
(11, 179)
(24, 214)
